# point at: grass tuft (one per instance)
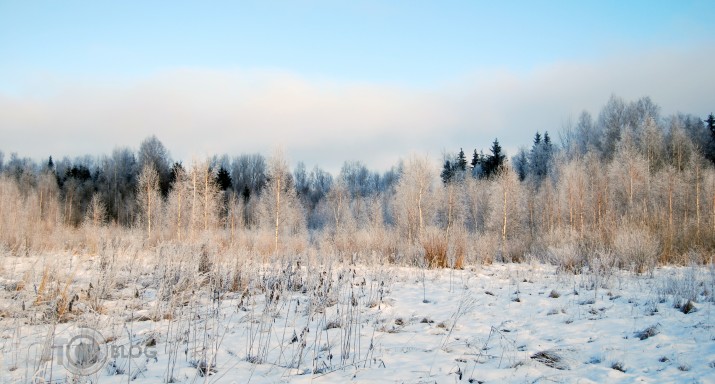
(648, 332)
(551, 359)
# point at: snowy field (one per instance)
(301, 321)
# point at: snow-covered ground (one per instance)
(336, 323)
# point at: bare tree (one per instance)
(414, 198)
(508, 208)
(96, 212)
(152, 151)
(280, 208)
(178, 202)
(148, 197)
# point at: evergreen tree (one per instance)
(540, 156)
(447, 172)
(494, 161)
(461, 161)
(223, 179)
(476, 159)
(478, 164)
(710, 121)
(521, 164)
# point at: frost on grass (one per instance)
(648, 332)
(618, 366)
(551, 358)
(301, 320)
(688, 307)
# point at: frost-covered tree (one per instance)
(178, 202)
(540, 157)
(414, 200)
(612, 120)
(280, 209)
(152, 152)
(652, 144)
(206, 196)
(149, 198)
(248, 173)
(506, 211)
(117, 183)
(588, 136)
(96, 212)
(521, 164)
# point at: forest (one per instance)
(628, 188)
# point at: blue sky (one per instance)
(82, 63)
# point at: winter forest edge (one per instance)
(628, 183)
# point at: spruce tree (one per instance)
(223, 179)
(461, 161)
(540, 156)
(476, 159)
(710, 121)
(495, 160)
(477, 163)
(447, 172)
(521, 164)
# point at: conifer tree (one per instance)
(461, 161)
(494, 161)
(447, 172)
(710, 122)
(476, 159)
(223, 179)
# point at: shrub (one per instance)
(637, 247)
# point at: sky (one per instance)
(330, 81)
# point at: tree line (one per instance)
(629, 186)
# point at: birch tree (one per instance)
(414, 198)
(280, 209)
(149, 198)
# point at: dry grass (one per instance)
(551, 359)
(648, 332)
(435, 249)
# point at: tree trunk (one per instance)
(193, 202)
(697, 202)
(148, 208)
(503, 229)
(419, 209)
(206, 199)
(178, 219)
(278, 206)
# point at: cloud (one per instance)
(200, 112)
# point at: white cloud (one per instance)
(197, 112)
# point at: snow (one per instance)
(498, 323)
